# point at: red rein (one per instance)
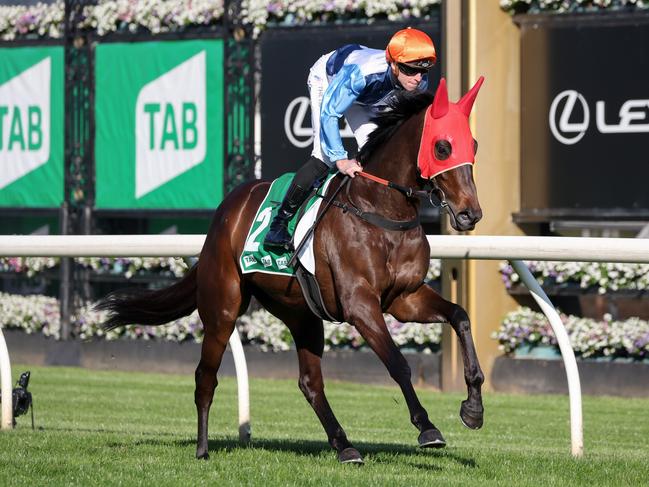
(376, 179)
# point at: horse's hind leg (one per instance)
(219, 305)
(427, 306)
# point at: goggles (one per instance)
(412, 71)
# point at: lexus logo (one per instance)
(569, 133)
(633, 117)
(298, 132)
(297, 125)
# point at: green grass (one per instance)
(110, 428)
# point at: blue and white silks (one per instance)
(353, 81)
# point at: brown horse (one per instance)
(363, 270)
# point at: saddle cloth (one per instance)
(255, 257)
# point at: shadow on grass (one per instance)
(316, 448)
(298, 447)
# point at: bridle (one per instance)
(439, 194)
(375, 218)
(434, 191)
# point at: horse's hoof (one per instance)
(471, 417)
(202, 455)
(350, 455)
(431, 438)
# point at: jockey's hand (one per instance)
(349, 167)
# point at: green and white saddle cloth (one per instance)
(256, 258)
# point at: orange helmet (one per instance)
(411, 47)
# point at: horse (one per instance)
(370, 271)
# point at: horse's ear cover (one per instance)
(466, 102)
(448, 121)
(439, 108)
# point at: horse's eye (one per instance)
(443, 150)
(475, 147)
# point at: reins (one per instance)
(379, 220)
(435, 190)
(375, 218)
(409, 192)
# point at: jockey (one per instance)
(356, 82)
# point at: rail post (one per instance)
(5, 380)
(568, 354)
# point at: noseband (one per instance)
(439, 194)
(387, 223)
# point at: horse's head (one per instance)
(447, 154)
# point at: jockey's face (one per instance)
(409, 81)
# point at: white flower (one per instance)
(33, 19)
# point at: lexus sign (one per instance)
(584, 117)
(633, 117)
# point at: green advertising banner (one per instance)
(31, 126)
(159, 124)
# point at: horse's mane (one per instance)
(405, 105)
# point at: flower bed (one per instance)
(602, 277)
(131, 266)
(158, 16)
(627, 340)
(290, 12)
(127, 267)
(42, 20)
(569, 6)
(35, 314)
(29, 266)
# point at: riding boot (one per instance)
(278, 235)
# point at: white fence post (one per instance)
(243, 395)
(568, 354)
(5, 379)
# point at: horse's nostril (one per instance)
(466, 220)
(463, 217)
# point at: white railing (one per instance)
(445, 246)
(5, 386)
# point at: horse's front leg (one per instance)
(427, 306)
(308, 334)
(364, 312)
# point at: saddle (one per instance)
(256, 258)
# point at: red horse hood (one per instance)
(448, 121)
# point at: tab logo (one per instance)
(25, 122)
(170, 128)
(282, 263)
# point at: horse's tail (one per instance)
(147, 307)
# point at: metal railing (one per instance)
(513, 249)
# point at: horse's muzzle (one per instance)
(466, 219)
